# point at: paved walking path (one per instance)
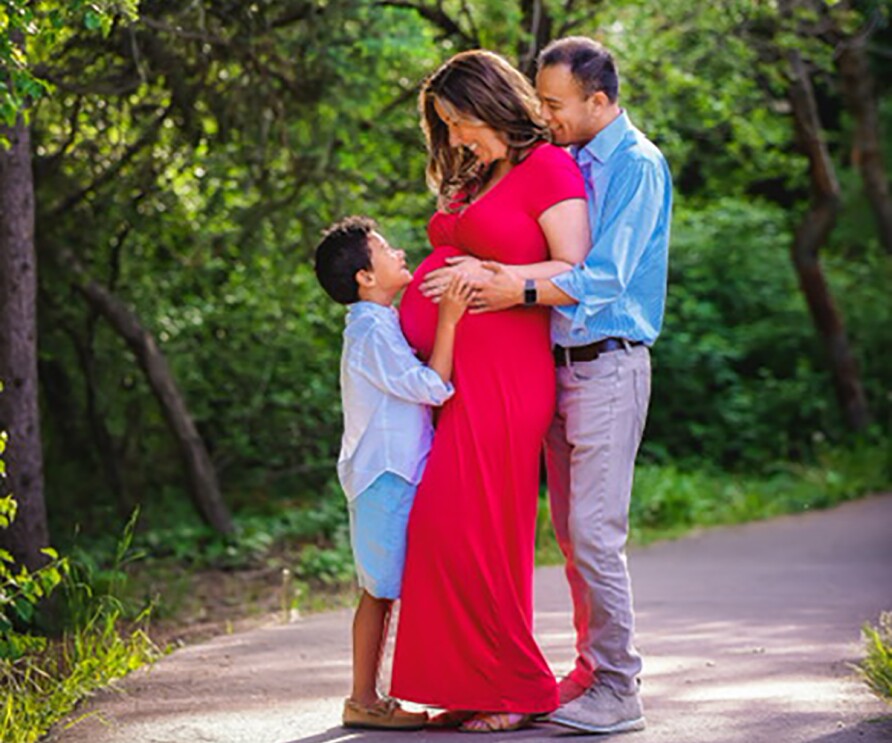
(747, 634)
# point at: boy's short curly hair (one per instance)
(343, 251)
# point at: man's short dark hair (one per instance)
(591, 65)
(344, 250)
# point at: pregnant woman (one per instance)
(465, 638)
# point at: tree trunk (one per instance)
(205, 489)
(537, 19)
(19, 413)
(858, 90)
(811, 235)
(102, 438)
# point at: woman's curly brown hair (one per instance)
(483, 86)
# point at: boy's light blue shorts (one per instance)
(378, 519)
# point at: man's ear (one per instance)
(365, 278)
(599, 98)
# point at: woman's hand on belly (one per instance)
(436, 281)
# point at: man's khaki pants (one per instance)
(591, 448)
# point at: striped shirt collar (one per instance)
(605, 142)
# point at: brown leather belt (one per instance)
(563, 356)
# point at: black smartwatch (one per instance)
(530, 296)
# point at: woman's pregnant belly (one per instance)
(502, 359)
(418, 314)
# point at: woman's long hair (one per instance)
(479, 85)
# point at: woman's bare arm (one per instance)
(567, 231)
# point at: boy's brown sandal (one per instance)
(385, 714)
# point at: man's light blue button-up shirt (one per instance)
(621, 285)
(386, 392)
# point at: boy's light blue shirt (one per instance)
(386, 393)
(620, 287)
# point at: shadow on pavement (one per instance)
(331, 735)
(877, 729)
(339, 734)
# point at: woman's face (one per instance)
(465, 131)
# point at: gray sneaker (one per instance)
(601, 710)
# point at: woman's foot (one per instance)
(496, 722)
(451, 718)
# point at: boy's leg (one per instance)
(378, 518)
(369, 637)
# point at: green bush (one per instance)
(22, 591)
(876, 668)
(45, 684)
(177, 533)
(42, 678)
(175, 548)
(668, 500)
(740, 378)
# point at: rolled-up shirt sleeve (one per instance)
(386, 360)
(630, 212)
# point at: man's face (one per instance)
(572, 117)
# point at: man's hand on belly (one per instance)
(435, 282)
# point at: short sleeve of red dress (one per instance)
(552, 177)
(503, 223)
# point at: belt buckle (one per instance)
(561, 355)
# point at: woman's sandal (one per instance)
(451, 718)
(496, 722)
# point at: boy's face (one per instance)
(389, 269)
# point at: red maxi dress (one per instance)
(465, 636)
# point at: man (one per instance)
(608, 312)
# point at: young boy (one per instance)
(386, 394)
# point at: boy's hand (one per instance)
(456, 298)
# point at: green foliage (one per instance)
(740, 377)
(22, 590)
(174, 548)
(46, 684)
(668, 500)
(716, 116)
(329, 566)
(207, 233)
(183, 538)
(42, 678)
(183, 564)
(31, 30)
(876, 668)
